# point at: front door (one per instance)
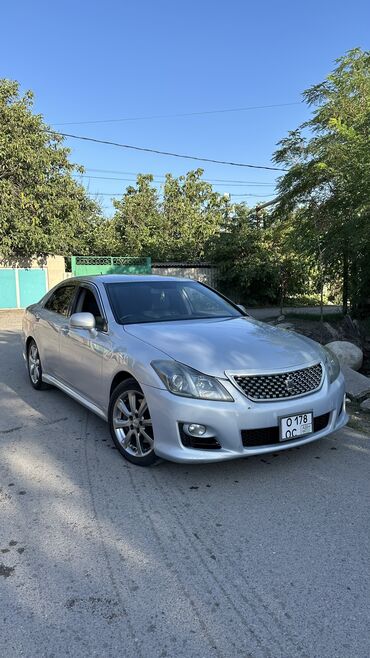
(82, 352)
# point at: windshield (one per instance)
(164, 301)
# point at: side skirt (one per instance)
(49, 379)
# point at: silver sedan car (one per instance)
(179, 371)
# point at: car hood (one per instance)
(239, 344)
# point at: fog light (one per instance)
(194, 429)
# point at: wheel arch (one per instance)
(120, 377)
(28, 341)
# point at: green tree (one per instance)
(296, 272)
(137, 220)
(192, 216)
(243, 252)
(43, 210)
(328, 181)
(257, 258)
(177, 226)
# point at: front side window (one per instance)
(86, 303)
(60, 300)
(161, 301)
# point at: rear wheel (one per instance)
(130, 423)
(34, 366)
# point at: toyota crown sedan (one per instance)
(179, 371)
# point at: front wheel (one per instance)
(130, 423)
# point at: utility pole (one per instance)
(260, 207)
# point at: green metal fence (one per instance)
(83, 265)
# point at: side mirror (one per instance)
(243, 309)
(82, 321)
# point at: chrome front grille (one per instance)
(282, 385)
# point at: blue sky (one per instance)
(91, 61)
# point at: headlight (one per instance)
(332, 364)
(186, 382)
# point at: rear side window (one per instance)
(60, 300)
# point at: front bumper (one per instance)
(226, 420)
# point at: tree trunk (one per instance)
(345, 282)
(321, 268)
(282, 291)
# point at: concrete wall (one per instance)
(56, 270)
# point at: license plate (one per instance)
(291, 427)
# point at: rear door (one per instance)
(48, 325)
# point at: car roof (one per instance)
(124, 278)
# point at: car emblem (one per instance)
(289, 384)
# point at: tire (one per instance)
(130, 424)
(34, 367)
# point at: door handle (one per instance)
(37, 317)
(64, 330)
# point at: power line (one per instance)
(260, 196)
(133, 180)
(114, 171)
(208, 180)
(113, 194)
(158, 152)
(128, 180)
(182, 114)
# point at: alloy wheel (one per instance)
(34, 364)
(132, 424)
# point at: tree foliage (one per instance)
(136, 222)
(42, 208)
(328, 181)
(193, 214)
(257, 260)
(176, 226)
(247, 271)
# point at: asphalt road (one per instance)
(262, 558)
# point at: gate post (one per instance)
(73, 265)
